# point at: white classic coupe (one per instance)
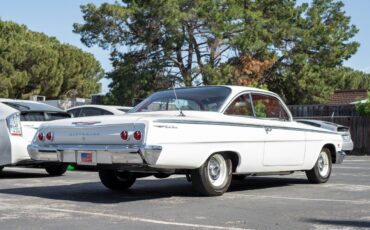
(211, 134)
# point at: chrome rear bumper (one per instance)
(340, 157)
(103, 154)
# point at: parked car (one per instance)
(208, 133)
(19, 121)
(344, 131)
(97, 110)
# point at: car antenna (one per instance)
(178, 108)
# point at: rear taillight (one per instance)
(124, 135)
(14, 124)
(40, 136)
(137, 135)
(49, 136)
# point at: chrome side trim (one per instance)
(195, 122)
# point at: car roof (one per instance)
(238, 89)
(26, 105)
(234, 88)
(111, 108)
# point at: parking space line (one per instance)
(351, 167)
(151, 221)
(304, 199)
(356, 161)
(341, 184)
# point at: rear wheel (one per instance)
(320, 173)
(116, 180)
(56, 170)
(214, 177)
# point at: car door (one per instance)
(284, 143)
(252, 134)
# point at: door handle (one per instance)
(268, 129)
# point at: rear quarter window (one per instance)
(74, 112)
(87, 112)
(33, 116)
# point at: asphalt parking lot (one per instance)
(29, 199)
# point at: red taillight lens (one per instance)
(14, 124)
(124, 135)
(49, 136)
(137, 135)
(40, 136)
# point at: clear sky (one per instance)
(55, 18)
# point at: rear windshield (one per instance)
(43, 116)
(199, 99)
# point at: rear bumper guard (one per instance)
(103, 154)
(340, 157)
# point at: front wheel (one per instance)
(56, 170)
(214, 177)
(320, 173)
(116, 180)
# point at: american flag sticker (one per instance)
(86, 157)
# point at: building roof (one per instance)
(343, 97)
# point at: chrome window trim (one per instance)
(250, 92)
(234, 98)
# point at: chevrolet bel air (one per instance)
(211, 134)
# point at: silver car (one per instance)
(19, 121)
(342, 130)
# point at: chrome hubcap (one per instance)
(323, 164)
(217, 170)
(214, 169)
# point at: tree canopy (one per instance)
(289, 48)
(32, 63)
(344, 78)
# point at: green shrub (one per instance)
(363, 109)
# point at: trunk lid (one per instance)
(107, 129)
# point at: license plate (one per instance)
(86, 157)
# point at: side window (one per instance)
(268, 107)
(105, 112)
(241, 106)
(87, 112)
(74, 112)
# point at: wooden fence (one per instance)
(322, 110)
(360, 131)
(340, 114)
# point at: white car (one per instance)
(19, 121)
(97, 110)
(208, 133)
(344, 131)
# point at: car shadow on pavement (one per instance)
(341, 223)
(259, 183)
(95, 192)
(143, 189)
(21, 175)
